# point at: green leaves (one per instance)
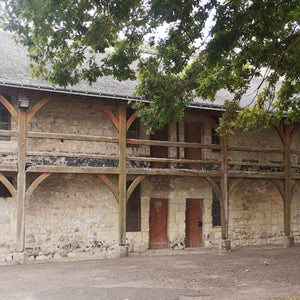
(247, 40)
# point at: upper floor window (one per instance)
(4, 116)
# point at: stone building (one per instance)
(81, 178)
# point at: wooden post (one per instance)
(122, 175)
(21, 180)
(224, 189)
(287, 182)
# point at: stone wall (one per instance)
(255, 214)
(71, 216)
(77, 216)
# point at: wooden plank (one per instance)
(73, 170)
(171, 144)
(122, 176)
(245, 174)
(8, 133)
(172, 160)
(254, 149)
(8, 168)
(258, 164)
(173, 172)
(21, 180)
(3, 152)
(67, 154)
(75, 137)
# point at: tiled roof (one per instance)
(13, 72)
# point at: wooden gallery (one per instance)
(81, 178)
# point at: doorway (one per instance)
(158, 224)
(193, 223)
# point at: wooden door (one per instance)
(193, 223)
(192, 134)
(158, 223)
(160, 151)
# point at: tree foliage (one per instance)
(247, 39)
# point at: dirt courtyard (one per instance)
(245, 273)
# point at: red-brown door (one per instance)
(158, 223)
(192, 134)
(160, 151)
(193, 223)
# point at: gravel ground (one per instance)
(245, 273)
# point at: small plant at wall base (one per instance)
(206, 46)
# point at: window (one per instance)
(216, 210)
(4, 192)
(133, 210)
(214, 137)
(133, 131)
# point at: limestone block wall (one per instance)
(71, 216)
(255, 214)
(8, 228)
(295, 213)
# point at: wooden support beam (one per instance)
(21, 180)
(110, 185)
(8, 133)
(8, 168)
(8, 185)
(287, 181)
(255, 175)
(133, 185)
(73, 170)
(77, 155)
(173, 172)
(9, 107)
(279, 188)
(35, 184)
(131, 120)
(171, 144)
(110, 115)
(72, 137)
(36, 108)
(224, 187)
(172, 160)
(122, 176)
(234, 184)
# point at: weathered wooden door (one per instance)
(160, 151)
(193, 223)
(192, 134)
(158, 223)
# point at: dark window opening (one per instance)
(4, 192)
(214, 137)
(133, 130)
(133, 210)
(216, 210)
(4, 115)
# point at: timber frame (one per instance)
(222, 179)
